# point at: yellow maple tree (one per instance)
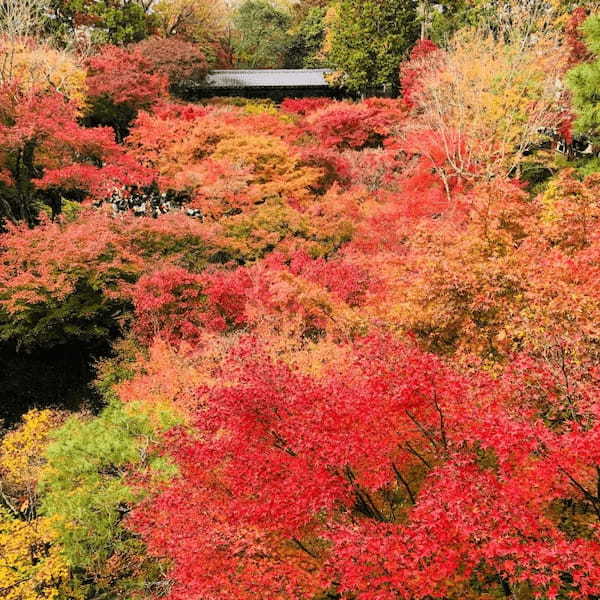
(36, 64)
(31, 564)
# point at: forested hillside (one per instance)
(315, 350)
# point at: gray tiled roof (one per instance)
(266, 78)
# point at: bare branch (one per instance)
(22, 18)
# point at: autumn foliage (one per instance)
(391, 472)
(179, 60)
(358, 361)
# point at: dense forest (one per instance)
(310, 350)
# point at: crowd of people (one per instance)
(577, 147)
(148, 201)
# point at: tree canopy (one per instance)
(261, 34)
(369, 39)
(584, 82)
(316, 349)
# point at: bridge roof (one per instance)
(266, 78)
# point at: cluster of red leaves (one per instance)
(40, 133)
(390, 476)
(125, 76)
(355, 126)
(578, 50)
(177, 59)
(304, 106)
(179, 306)
(171, 302)
(422, 53)
(97, 182)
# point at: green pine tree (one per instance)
(584, 82)
(87, 492)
